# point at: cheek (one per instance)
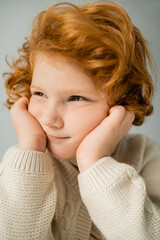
(34, 108)
(85, 121)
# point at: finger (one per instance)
(127, 122)
(23, 102)
(120, 113)
(117, 114)
(113, 122)
(129, 116)
(117, 108)
(120, 120)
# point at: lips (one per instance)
(56, 138)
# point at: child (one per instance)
(79, 84)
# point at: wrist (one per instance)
(86, 160)
(35, 145)
(84, 164)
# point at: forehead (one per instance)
(60, 71)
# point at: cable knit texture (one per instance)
(117, 198)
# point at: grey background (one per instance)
(15, 23)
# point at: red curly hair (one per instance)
(99, 37)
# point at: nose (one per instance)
(52, 118)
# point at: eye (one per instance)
(76, 98)
(40, 94)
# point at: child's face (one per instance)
(66, 104)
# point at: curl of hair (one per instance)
(99, 37)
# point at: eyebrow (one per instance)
(36, 87)
(67, 90)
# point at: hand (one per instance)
(103, 140)
(28, 130)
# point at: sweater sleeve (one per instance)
(121, 204)
(27, 195)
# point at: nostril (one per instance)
(56, 122)
(59, 123)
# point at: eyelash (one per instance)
(40, 94)
(72, 98)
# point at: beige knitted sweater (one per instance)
(117, 198)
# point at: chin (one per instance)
(61, 154)
(63, 151)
